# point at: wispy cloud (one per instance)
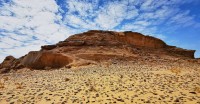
(26, 25)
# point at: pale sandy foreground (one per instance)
(104, 84)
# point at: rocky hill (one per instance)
(97, 46)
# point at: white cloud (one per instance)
(47, 29)
(5, 45)
(92, 16)
(10, 23)
(5, 13)
(142, 23)
(18, 37)
(79, 6)
(182, 19)
(10, 41)
(20, 51)
(111, 16)
(22, 20)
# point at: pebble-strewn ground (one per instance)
(103, 84)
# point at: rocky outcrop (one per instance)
(138, 39)
(95, 37)
(48, 47)
(10, 63)
(96, 46)
(181, 52)
(7, 63)
(71, 43)
(40, 60)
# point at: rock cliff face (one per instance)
(181, 52)
(41, 60)
(95, 46)
(138, 39)
(111, 38)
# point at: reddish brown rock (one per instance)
(48, 47)
(138, 39)
(181, 52)
(118, 38)
(40, 60)
(97, 46)
(98, 57)
(7, 63)
(71, 43)
(10, 63)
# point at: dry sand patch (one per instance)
(117, 83)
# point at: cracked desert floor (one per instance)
(125, 83)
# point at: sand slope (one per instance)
(101, 84)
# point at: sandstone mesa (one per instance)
(96, 46)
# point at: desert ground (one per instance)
(124, 83)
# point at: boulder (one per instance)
(10, 63)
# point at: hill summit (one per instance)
(96, 46)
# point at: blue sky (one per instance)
(25, 25)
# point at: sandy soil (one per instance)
(104, 84)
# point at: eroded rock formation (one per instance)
(10, 63)
(40, 60)
(111, 38)
(95, 46)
